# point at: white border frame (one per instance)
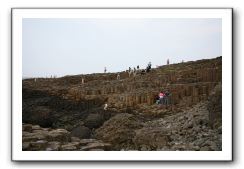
(19, 155)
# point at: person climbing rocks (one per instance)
(161, 97)
(157, 99)
(118, 76)
(105, 106)
(167, 97)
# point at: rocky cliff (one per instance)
(194, 112)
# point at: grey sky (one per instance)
(80, 46)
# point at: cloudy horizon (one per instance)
(82, 46)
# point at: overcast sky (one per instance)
(81, 46)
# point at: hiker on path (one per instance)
(105, 69)
(167, 61)
(157, 99)
(134, 72)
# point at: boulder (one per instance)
(94, 121)
(81, 132)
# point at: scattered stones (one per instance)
(58, 140)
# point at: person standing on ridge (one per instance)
(105, 106)
(118, 76)
(105, 69)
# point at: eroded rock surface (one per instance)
(66, 114)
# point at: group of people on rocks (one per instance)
(163, 98)
(136, 70)
(133, 71)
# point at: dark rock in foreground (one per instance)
(45, 139)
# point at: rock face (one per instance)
(69, 111)
(46, 139)
(215, 107)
